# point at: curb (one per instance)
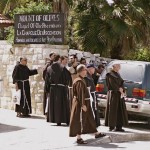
(118, 138)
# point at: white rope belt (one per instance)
(24, 94)
(59, 85)
(94, 94)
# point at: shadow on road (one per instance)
(108, 146)
(9, 128)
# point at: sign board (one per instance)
(39, 28)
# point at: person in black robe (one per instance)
(20, 77)
(57, 80)
(48, 63)
(90, 83)
(116, 114)
(66, 77)
(97, 73)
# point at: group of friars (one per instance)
(70, 97)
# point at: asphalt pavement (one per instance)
(36, 134)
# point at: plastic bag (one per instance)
(16, 96)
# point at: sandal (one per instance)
(81, 141)
(99, 135)
(18, 114)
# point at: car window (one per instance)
(130, 72)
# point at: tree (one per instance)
(116, 27)
(8, 5)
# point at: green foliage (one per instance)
(7, 5)
(10, 36)
(33, 8)
(28, 8)
(115, 28)
(142, 54)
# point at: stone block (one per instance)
(1, 51)
(62, 46)
(41, 84)
(38, 98)
(29, 58)
(4, 102)
(39, 108)
(17, 58)
(50, 46)
(9, 70)
(64, 52)
(4, 67)
(40, 91)
(41, 62)
(7, 49)
(7, 92)
(34, 59)
(37, 77)
(34, 91)
(2, 72)
(5, 82)
(11, 85)
(36, 46)
(47, 51)
(40, 56)
(33, 84)
(21, 45)
(5, 59)
(10, 80)
(31, 78)
(4, 42)
(18, 51)
(27, 51)
(10, 105)
(11, 57)
(12, 62)
(33, 110)
(34, 66)
(38, 50)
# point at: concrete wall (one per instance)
(36, 54)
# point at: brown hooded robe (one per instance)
(116, 114)
(81, 122)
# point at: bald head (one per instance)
(23, 60)
(116, 67)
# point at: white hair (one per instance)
(80, 67)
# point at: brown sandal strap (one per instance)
(100, 135)
(81, 141)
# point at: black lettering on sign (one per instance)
(39, 28)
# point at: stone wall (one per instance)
(36, 54)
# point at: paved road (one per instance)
(36, 134)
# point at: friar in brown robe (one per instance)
(82, 119)
(116, 114)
